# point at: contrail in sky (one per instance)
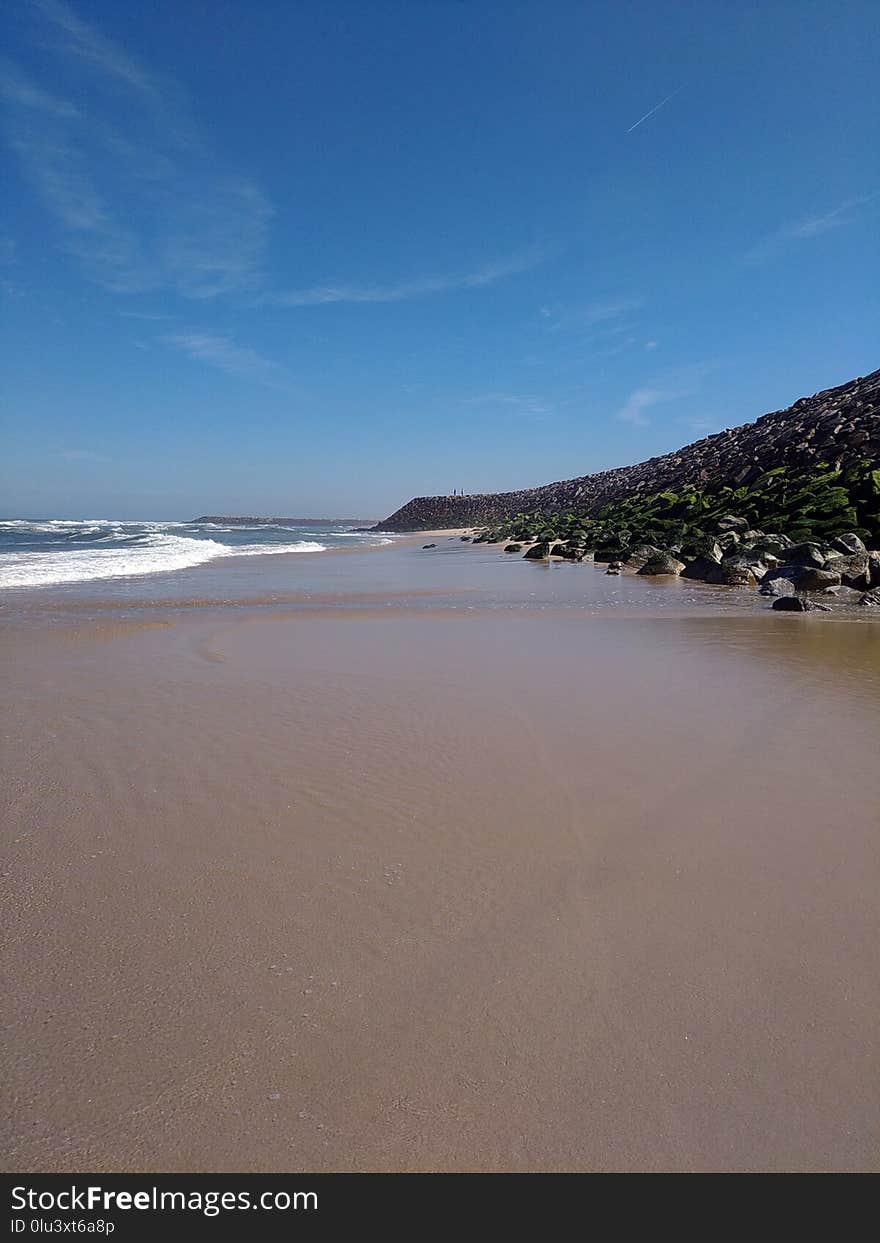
(656, 108)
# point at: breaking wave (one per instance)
(56, 551)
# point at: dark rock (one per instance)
(537, 552)
(848, 543)
(772, 545)
(797, 604)
(464, 538)
(808, 553)
(513, 548)
(614, 569)
(812, 579)
(736, 573)
(853, 570)
(704, 569)
(637, 556)
(710, 549)
(747, 559)
(568, 552)
(663, 563)
(871, 599)
(429, 545)
(777, 587)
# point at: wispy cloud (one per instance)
(845, 213)
(656, 108)
(633, 409)
(81, 455)
(672, 385)
(142, 201)
(614, 310)
(18, 90)
(71, 36)
(226, 356)
(141, 315)
(488, 274)
(518, 405)
(599, 329)
(597, 322)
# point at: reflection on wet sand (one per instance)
(452, 884)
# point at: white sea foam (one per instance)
(154, 553)
(43, 569)
(258, 550)
(58, 550)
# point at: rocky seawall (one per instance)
(838, 427)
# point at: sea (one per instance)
(55, 551)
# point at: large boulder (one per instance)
(731, 522)
(773, 545)
(749, 558)
(740, 572)
(513, 548)
(871, 599)
(797, 604)
(848, 543)
(567, 552)
(853, 569)
(711, 550)
(808, 553)
(537, 552)
(663, 563)
(640, 554)
(777, 587)
(704, 569)
(728, 540)
(812, 579)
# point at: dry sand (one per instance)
(456, 891)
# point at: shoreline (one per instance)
(401, 578)
(409, 570)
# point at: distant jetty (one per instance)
(838, 427)
(239, 520)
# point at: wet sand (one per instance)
(487, 878)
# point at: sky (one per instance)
(316, 258)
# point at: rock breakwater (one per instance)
(837, 429)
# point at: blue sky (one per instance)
(319, 257)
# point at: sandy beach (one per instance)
(438, 862)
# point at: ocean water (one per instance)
(60, 551)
